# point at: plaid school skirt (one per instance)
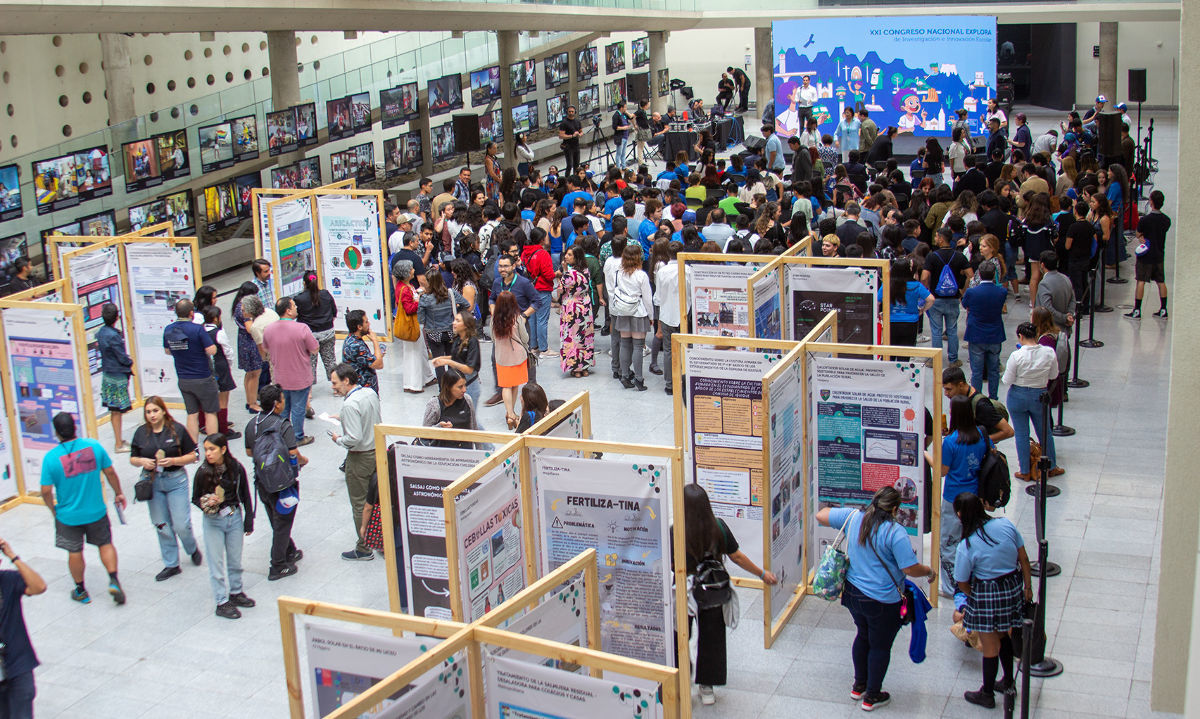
(995, 604)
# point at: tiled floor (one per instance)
(166, 654)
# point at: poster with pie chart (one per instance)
(352, 257)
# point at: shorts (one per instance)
(1145, 271)
(71, 536)
(114, 392)
(200, 395)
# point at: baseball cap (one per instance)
(1101, 98)
(406, 217)
(1120, 106)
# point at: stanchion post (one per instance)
(1100, 269)
(1026, 652)
(1075, 382)
(1042, 665)
(1091, 342)
(1060, 429)
(1042, 486)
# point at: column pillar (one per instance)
(658, 61)
(507, 48)
(285, 78)
(1107, 76)
(764, 75)
(118, 85)
(1177, 626)
(423, 125)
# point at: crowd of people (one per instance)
(489, 263)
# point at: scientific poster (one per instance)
(421, 475)
(561, 618)
(344, 663)
(724, 445)
(868, 432)
(441, 693)
(517, 690)
(719, 303)
(620, 509)
(295, 254)
(768, 324)
(351, 250)
(491, 553)
(814, 291)
(163, 276)
(95, 280)
(263, 197)
(46, 380)
(785, 493)
(8, 469)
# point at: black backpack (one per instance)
(272, 459)
(995, 480)
(711, 587)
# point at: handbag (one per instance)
(405, 326)
(830, 576)
(621, 303)
(373, 537)
(143, 489)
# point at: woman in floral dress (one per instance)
(575, 327)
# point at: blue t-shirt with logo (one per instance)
(611, 205)
(73, 468)
(187, 341)
(963, 461)
(568, 201)
(866, 571)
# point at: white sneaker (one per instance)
(707, 697)
(645, 350)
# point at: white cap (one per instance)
(1101, 98)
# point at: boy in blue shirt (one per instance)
(649, 226)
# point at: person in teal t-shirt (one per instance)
(73, 469)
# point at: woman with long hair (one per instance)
(1117, 191)
(534, 406)
(909, 301)
(508, 185)
(964, 207)
(847, 133)
(511, 348)
(248, 358)
(707, 537)
(316, 308)
(466, 283)
(435, 312)
(935, 163)
(963, 451)
(576, 327)
(1027, 372)
(1104, 220)
(491, 168)
(222, 363)
(959, 149)
(880, 557)
(632, 305)
(415, 369)
(451, 408)
(464, 354)
(221, 491)
(1038, 234)
(1066, 178)
(1050, 335)
(992, 568)
(161, 448)
(205, 296)
(525, 156)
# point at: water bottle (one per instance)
(295, 465)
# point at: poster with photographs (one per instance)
(614, 93)
(485, 85)
(556, 110)
(357, 162)
(398, 105)
(519, 690)
(586, 63)
(491, 127)
(67, 180)
(558, 70)
(164, 276)
(443, 142)
(522, 77)
(588, 101)
(445, 95)
(525, 117)
(245, 138)
(101, 224)
(142, 170)
(10, 193)
(216, 147)
(352, 253)
(360, 111)
(172, 148)
(663, 82)
(641, 52)
(337, 118)
(95, 281)
(220, 206)
(814, 291)
(614, 58)
(181, 211)
(281, 132)
(491, 553)
(306, 124)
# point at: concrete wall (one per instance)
(1152, 45)
(698, 57)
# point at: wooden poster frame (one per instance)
(77, 242)
(276, 280)
(149, 230)
(381, 247)
(780, 264)
(718, 258)
(258, 195)
(880, 352)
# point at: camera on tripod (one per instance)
(596, 121)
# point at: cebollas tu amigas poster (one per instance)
(908, 72)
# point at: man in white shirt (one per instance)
(360, 413)
(612, 266)
(717, 229)
(805, 99)
(666, 298)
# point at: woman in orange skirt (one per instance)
(512, 351)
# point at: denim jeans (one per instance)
(16, 696)
(622, 148)
(944, 316)
(951, 536)
(985, 364)
(1024, 408)
(171, 515)
(295, 402)
(1010, 262)
(539, 338)
(877, 624)
(473, 392)
(223, 545)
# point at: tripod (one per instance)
(599, 141)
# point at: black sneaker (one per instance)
(118, 594)
(228, 611)
(1134, 315)
(286, 571)
(655, 369)
(197, 557)
(167, 573)
(296, 556)
(871, 702)
(640, 385)
(233, 434)
(1161, 313)
(356, 556)
(626, 383)
(987, 700)
(241, 600)
(857, 691)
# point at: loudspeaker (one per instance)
(466, 133)
(1108, 131)
(1137, 85)
(755, 142)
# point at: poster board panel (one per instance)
(488, 543)
(93, 277)
(293, 252)
(519, 690)
(813, 288)
(354, 265)
(341, 663)
(57, 245)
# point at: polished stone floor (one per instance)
(166, 654)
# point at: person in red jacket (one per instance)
(536, 257)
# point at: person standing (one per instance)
(290, 346)
(846, 134)
(1028, 371)
(18, 689)
(415, 370)
(435, 313)
(867, 131)
(523, 292)
(262, 280)
(569, 131)
(741, 83)
(708, 538)
(632, 307)
(880, 557)
(161, 449)
(806, 98)
(985, 336)
(464, 354)
(535, 257)
(576, 329)
(192, 348)
(801, 162)
(666, 299)
(222, 369)
(360, 413)
(117, 366)
(361, 349)
(963, 451)
(946, 273)
(773, 152)
(249, 359)
(317, 309)
(73, 469)
(280, 505)
(510, 351)
(1055, 292)
(221, 491)
(954, 384)
(1152, 230)
(621, 127)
